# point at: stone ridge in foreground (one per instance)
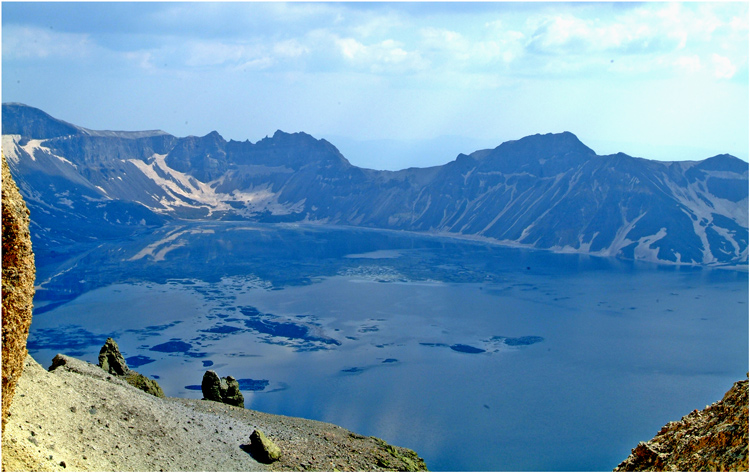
(80, 418)
(714, 439)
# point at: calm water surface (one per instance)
(478, 357)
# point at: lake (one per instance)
(477, 356)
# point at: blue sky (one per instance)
(393, 84)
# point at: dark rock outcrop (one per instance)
(225, 390)
(233, 396)
(19, 272)
(262, 448)
(714, 439)
(211, 386)
(112, 361)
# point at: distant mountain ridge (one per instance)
(543, 191)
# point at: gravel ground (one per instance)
(79, 418)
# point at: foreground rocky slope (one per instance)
(714, 439)
(543, 191)
(18, 286)
(79, 417)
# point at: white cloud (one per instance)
(453, 50)
(290, 48)
(351, 48)
(723, 67)
(257, 64)
(387, 56)
(739, 23)
(391, 68)
(690, 63)
(141, 59)
(214, 53)
(367, 25)
(650, 29)
(21, 42)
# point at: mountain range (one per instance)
(546, 191)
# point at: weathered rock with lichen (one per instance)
(233, 396)
(144, 383)
(19, 272)
(225, 390)
(262, 448)
(111, 360)
(714, 439)
(401, 458)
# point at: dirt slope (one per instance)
(77, 417)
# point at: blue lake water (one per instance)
(478, 357)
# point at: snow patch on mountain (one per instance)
(644, 250)
(181, 187)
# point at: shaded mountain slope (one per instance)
(543, 191)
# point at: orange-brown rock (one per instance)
(18, 285)
(714, 439)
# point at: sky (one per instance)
(393, 85)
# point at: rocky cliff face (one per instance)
(18, 285)
(714, 439)
(543, 191)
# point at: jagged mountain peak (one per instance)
(282, 138)
(298, 149)
(214, 135)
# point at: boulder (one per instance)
(19, 272)
(111, 360)
(261, 448)
(232, 395)
(211, 386)
(144, 383)
(225, 390)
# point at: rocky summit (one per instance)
(547, 191)
(714, 439)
